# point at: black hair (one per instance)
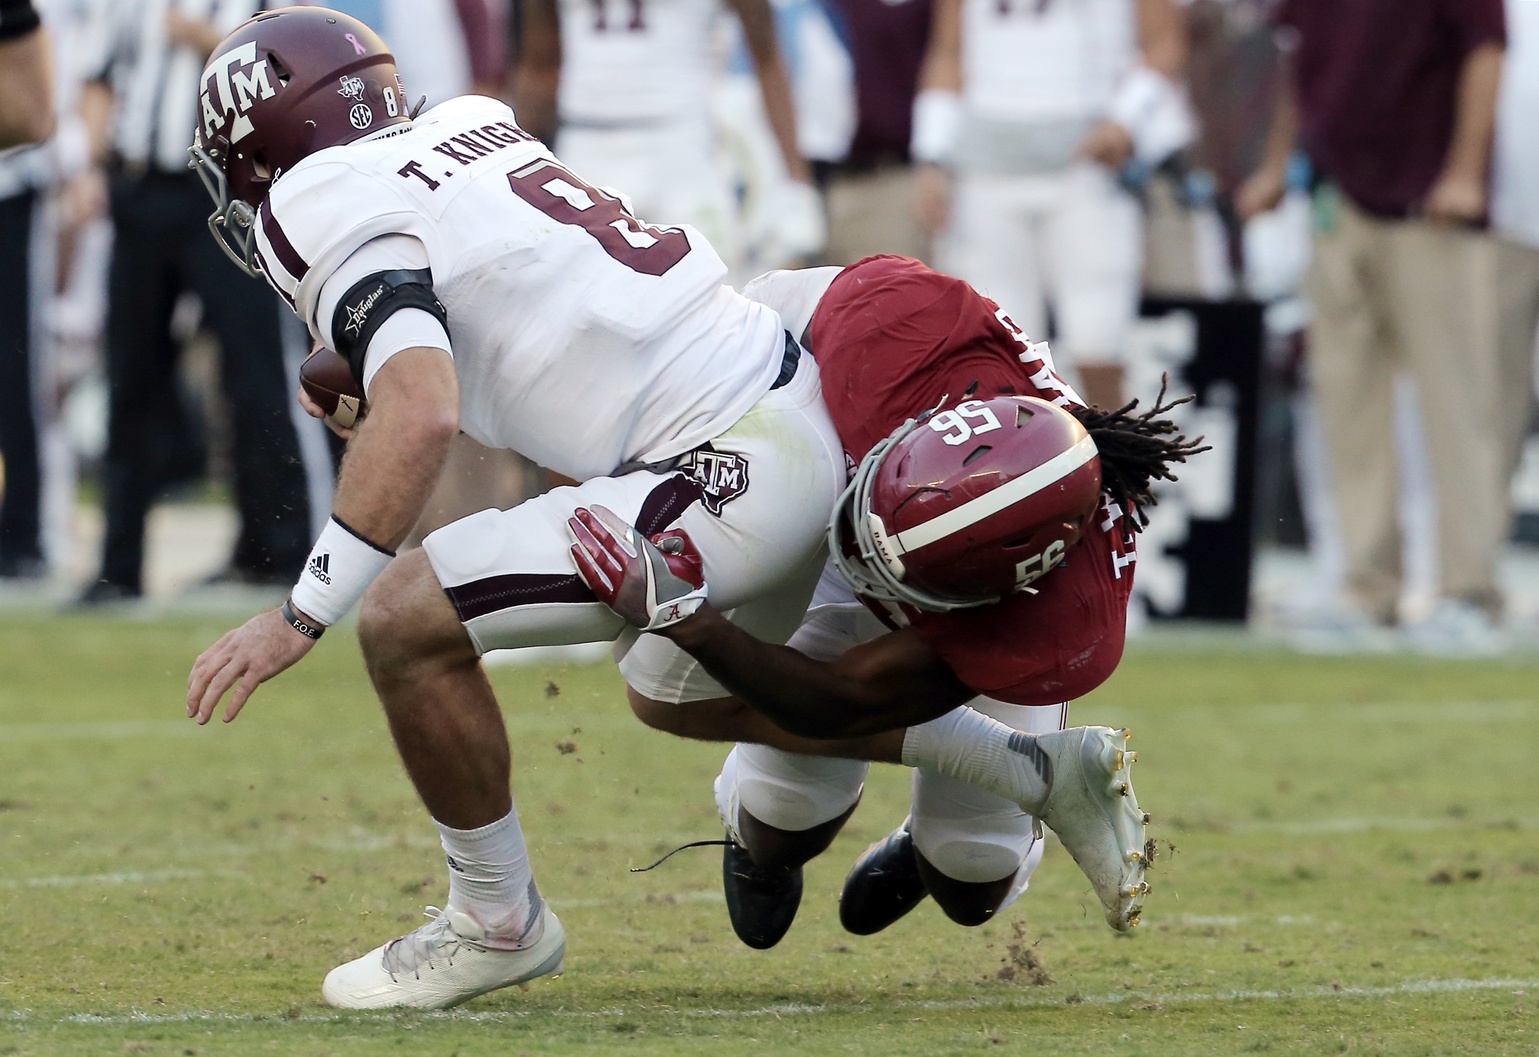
(1137, 450)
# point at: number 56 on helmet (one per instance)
(964, 506)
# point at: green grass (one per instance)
(1349, 865)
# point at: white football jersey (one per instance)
(1045, 59)
(636, 60)
(582, 337)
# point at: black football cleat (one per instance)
(761, 902)
(882, 886)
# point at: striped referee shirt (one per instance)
(155, 83)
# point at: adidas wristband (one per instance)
(340, 568)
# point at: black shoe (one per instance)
(761, 903)
(22, 567)
(883, 885)
(105, 594)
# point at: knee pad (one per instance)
(786, 790)
(972, 861)
(966, 833)
(972, 901)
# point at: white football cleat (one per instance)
(1091, 807)
(443, 964)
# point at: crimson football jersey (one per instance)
(894, 339)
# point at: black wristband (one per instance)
(305, 627)
(17, 17)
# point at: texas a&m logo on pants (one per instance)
(722, 477)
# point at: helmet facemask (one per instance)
(940, 521)
(875, 569)
(233, 221)
(286, 83)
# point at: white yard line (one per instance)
(801, 1009)
(1466, 713)
(154, 877)
(129, 877)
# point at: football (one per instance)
(328, 381)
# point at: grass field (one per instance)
(1350, 864)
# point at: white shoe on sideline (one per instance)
(1339, 630)
(1456, 629)
(442, 964)
(1091, 807)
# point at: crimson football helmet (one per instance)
(284, 85)
(964, 506)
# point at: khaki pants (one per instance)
(871, 213)
(1517, 292)
(1392, 295)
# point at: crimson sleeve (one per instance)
(1475, 22)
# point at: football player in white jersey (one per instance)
(1028, 110)
(625, 87)
(601, 347)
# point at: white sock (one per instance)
(490, 879)
(969, 746)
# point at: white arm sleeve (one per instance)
(407, 329)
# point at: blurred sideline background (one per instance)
(1246, 540)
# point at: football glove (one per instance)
(651, 582)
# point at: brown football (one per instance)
(328, 381)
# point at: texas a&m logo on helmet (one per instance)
(285, 84)
(232, 84)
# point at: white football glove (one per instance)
(792, 226)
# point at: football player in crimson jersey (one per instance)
(989, 532)
(387, 230)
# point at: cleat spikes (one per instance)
(1092, 809)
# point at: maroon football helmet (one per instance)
(284, 85)
(964, 506)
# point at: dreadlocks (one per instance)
(1137, 450)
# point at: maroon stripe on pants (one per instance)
(667, 503)
(480, 597)
(663, 507)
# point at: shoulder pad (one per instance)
(318, 215)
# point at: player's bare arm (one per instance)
(26, 89)
(887, 684)
(758, 20)
(1146, 90)
(1264, 189)
(1162, 37)
(1460, 195)
(937, 116)
(538, 73)
(391, 465)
